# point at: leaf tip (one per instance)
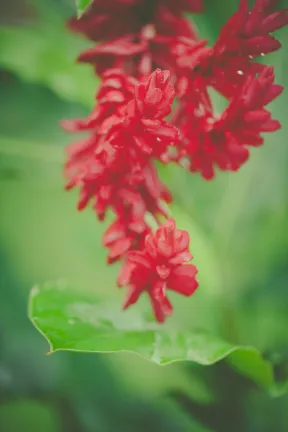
(82, 5)
(51, 350)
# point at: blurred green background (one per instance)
(238, 225)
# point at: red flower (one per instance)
(140, 125)
(211, 142)
(159, 267)
(248, 31)
(131, 114)
(153, 98)
(245, 37)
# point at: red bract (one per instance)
(153, 98)
(132, 114)
(160, 267)
(248, 31)
(140, 126)
(211, 142)
(246, 36)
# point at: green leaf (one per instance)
(82, 5)
(76, 321)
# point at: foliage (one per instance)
(73, 321)
(244, 293)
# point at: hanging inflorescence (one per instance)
(148, 54)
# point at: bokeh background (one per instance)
(239, 229)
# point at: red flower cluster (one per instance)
(222, 141)
(128, 131)
(158, 266)
(114, 165)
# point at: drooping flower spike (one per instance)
(132, 128)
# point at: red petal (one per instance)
(132, 296)
(125, 274)
(270, 126)
(119, 249)
(261, 44)
(139, 258)
(163, 271)
(274, 91)
(275, 21)
(113, 233)
(150, 245)
(182, 280)
(182, 240)
(181, 258)
(256, 117)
